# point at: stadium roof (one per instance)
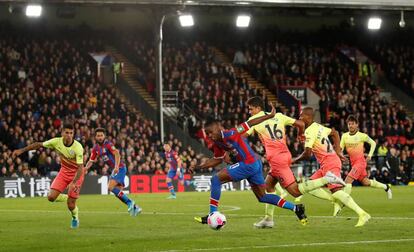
(365, 4)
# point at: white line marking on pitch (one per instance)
(195, 213)
(292, 245)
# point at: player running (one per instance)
(329, 157)
(248, 167)
(353, 141)
(175, 169)
(71, 171)
(272, 135)
(109, 154)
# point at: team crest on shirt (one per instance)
(71, 152)
(240, 128)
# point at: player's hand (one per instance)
(294, 160)
(115, 171)
(16, 153)
(341, 156)
(273, 111)
(368, 158)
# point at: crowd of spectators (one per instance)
(62, 84)
(44, 82)
(343, 91)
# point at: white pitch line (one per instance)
(291, 245)
(200, 213)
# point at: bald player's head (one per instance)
(307, 115)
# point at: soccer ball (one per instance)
(216, 220)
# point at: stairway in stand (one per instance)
(252, 82)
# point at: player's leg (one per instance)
(217, 180)
(59, 185)
(373, 183)
(116, 186)
(258, 186)
(170, 175)
(267, 221)
(341, 196)
(280, 191)
(274, 199)
(74, 210)
(73, 195)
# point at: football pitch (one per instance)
(34, 224)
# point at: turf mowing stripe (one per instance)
(235, 215)
(291, 245)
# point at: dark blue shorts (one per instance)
(120, 177)
(252, 172)
(172, 172)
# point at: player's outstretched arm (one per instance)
(306, 154)
(336, 144)
(33, 146)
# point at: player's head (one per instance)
(68, 131)
(100, 135)
(167, 147)
(352, 122)
(213, 130)
(255, 104)
(306, 115)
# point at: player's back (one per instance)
(354, 145)
(272, 132)
(317, 138)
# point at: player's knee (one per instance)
(215, 180)
(51, 198)
(270, 189)
(71, 204)
(111, 186)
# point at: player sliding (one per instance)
(248, 167)
(272, 135)
(175, 169)
(353, 141)
(71, 171)
(328, 156)
(107, 151)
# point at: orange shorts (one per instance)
(280, 168)
(334, 167)
(62, 181)
(358, 171)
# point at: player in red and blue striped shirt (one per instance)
(109, 154)
(175, 169)
(248, 166)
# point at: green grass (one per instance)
(37, 225)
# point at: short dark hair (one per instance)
(352, 118)
(256, 101)
(100, 130)
(210, 123)
(68, 125)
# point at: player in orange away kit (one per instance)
(71, 172)
(353, 141)
(329, 157)
(272, 136)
